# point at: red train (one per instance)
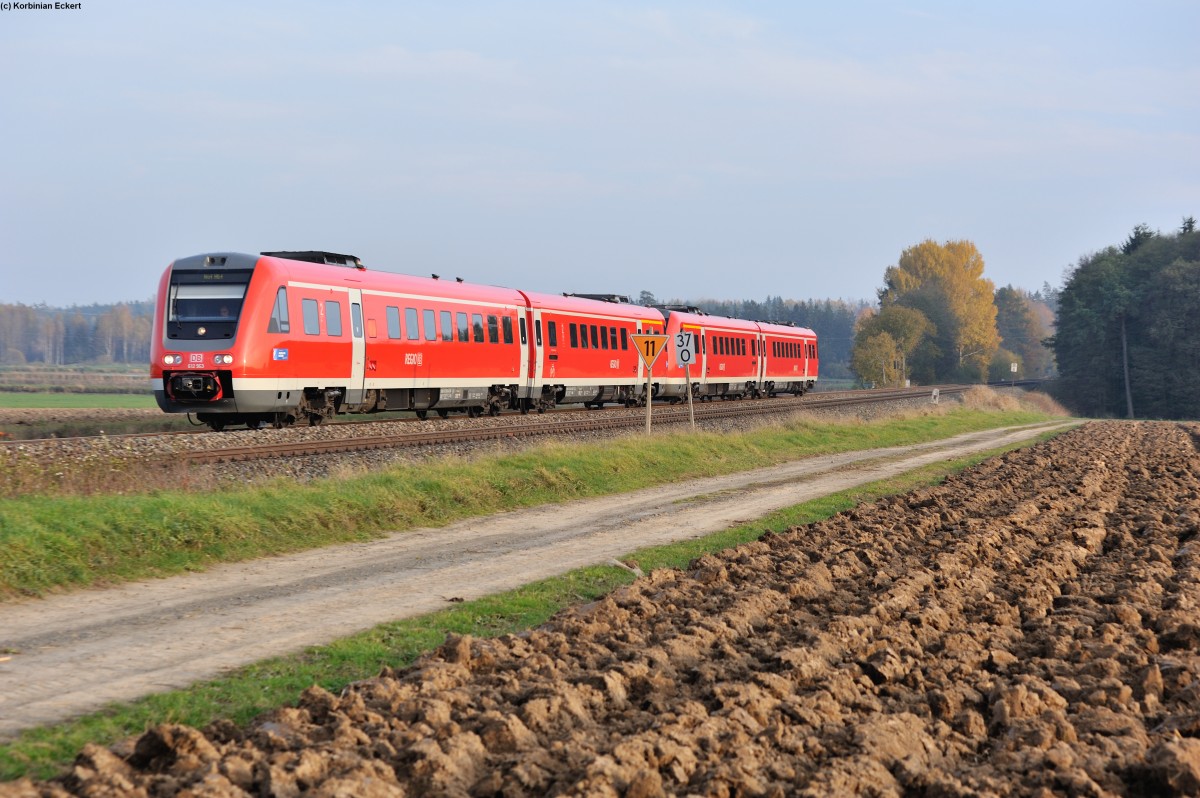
(287, 336)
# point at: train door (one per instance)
(538, 346)
(760, 343)
(358, 349)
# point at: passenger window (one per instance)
(506, 328)
(410, 321)
(430, 324)
(524, 335)
(312, 319)
(552, 333)
(574, 335)
(464, 329)
(537, 331)
(447, 326)
(595, 338)
(493, 330)
(356, 320)
(393, 321)
(477, 324)
(279, 315)
(333, 318)
(583, 339)
(604, 338)
(624, 339)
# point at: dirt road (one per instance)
(80, 651)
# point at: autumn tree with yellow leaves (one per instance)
(945, 284)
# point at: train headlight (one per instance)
(223, 359)
(172, 360)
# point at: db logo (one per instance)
(196, 358)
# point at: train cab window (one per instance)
(393, 321)
(574, 335)
(604, 338)
(595, 338)
(447, 326)
(312, 316)
(477, 326)
(410, 321)
(197, 302)
(333, 318)
(279, 314)
(493, 330)
(624, 340)
(356, 328)
(506, 329)
(464, 329)
(552, 333)
(430, 324)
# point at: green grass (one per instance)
(250, 691)
(62, 542)
(86, 401)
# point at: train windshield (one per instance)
(206, 302)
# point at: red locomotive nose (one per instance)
(195, 387)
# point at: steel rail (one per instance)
(593, 422)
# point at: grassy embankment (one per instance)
(416, 496)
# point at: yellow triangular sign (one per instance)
(649, 347)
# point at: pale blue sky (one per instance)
(693, 149)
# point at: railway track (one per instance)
(576, 423)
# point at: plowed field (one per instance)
(1031, 627)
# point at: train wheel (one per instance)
(474, 412)
(493, 410)
(315, 419)
(422, 414)
(216, 426)
(443, 413)
(253, 424)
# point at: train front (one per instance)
(194, 349)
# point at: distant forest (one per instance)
(117, 333)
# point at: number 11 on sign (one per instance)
(649, 347)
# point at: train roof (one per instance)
(789, 329)
(585, 303)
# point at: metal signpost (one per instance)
(685, 353)
(649, 347)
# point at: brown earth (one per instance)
(1031, 627)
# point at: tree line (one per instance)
(117, 333)
(1128, 337)
(1123, 332)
